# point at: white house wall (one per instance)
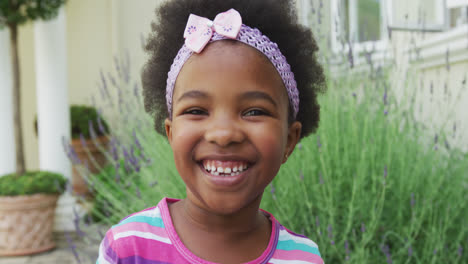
(98, 30)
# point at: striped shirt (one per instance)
(149, 237)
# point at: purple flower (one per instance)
(72, 247)
(385, 97)
(346, 246)
(460, 251)
(410, 251)
(92, 132)
(100, 125)
(412, 202)
(114, 152)
(82, 140)
(105, 91)
(73, 156)
(112, 80)
(137, 192)
(136, 90)
(301, 175)
(330, 234)
(319, 145)
(447, 146)
(363, 228)
(117, 174)
(386, 250)
(137, 142)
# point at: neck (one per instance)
(241, 222)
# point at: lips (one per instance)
(224, 168)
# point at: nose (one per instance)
(224, 131)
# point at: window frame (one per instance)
(443, 18)
(358, 47)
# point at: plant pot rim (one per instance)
(31, 195)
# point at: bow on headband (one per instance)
(199, 30)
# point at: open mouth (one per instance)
(225, 168)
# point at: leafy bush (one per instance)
(82, 118)
(32, 183)
(367, 189)
(114, 178)
(371, 186)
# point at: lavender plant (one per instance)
(373, 185)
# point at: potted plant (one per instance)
(27, 209)
(89, 141)
(27, 199)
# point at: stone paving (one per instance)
(67, 246)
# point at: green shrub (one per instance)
(371, 186)
(81, 118)
(115, 179)
(31, 183)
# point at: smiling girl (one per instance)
(233, 85)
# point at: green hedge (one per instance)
(81, 116)
(32, 183)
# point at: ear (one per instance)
(294, 135)
(168, 126)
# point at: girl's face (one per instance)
(230, 115)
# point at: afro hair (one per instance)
(275, 19)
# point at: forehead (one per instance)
(225, 66)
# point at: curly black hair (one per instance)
(275, 19)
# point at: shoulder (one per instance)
(295, 248)
(132, 235)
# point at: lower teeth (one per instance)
(224, 174)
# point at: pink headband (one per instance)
(228, 25)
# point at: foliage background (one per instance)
(373, 185)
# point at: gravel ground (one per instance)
(69, 245)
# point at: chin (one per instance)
(229, 205)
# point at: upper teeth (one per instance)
(229, 168)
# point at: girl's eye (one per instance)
(255, 112)
(195, 112)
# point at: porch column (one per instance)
(7, 136)
(53, 112)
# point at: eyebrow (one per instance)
(251, 95)
(258, 95)
(194, 94)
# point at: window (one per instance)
(361, 23)
(428, 15)
(457, 13)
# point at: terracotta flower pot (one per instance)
(26, 224)
(80, 187)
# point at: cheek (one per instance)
(271, 143)
(184, 139)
